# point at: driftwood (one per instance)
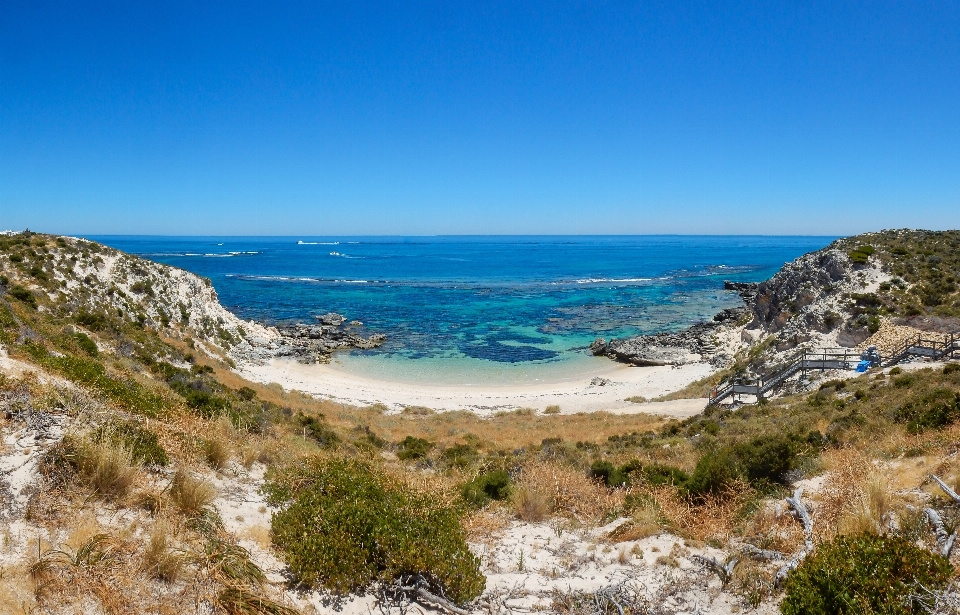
(765, 554)
(801, 513)
(724, 571)
(944, 541)
(414, 587)
(953, 494)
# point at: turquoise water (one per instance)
(478, 309)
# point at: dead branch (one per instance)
(944, 541)
(800, 511)
(765, 554)
(950, 492)
(724, 571)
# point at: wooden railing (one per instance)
(933, 348)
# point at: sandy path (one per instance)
(572, 395)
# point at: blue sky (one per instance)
(482, 117)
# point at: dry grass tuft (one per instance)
(545, 487)
(768, 530)
(532, 502)
(645, 522)
(842, 492)
(713, 518)
(871, 511)
(217, 453)
(160, 559)
(106, 468)
(191, 494)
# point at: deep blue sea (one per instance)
(478, 309)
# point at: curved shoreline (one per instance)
(576, 394)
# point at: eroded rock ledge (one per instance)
(692, 344)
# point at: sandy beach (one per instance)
(576, 394)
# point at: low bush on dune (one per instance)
(762, 461)
(318, 430)
(413, 448)
(488, 486)
(344, 525)
(864, 574)
(634, 472)
(933, 410)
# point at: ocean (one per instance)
(478, 310)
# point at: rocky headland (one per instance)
(854, 293)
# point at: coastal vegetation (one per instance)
(140, 417)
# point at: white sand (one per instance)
(573, 395)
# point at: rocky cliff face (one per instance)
(93, 284)
(794, 294)
(817, 295)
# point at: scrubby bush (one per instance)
(488, 486)
(344, 524)
(951, 368)
(95, 321)
(413, 448)
(609, 474)
(22, 294)
(861, 254)
(86, 344)
(864, 574)
(657, 474)
(715, 472)
(143, 444)
(460, 455)
(317, 429)
(767, 458)
(933, 410)
(91, 373)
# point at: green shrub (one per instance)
(951, 368)
(318, 430)
(143, 444)
(90, 373)
(762, 461)
(413, 448)
(344, 524)
(715, 472)
(460, 455)
(22, 294)
(609, 474)
(767, 458)
(864, 574)
(246, 393)
(833, 384)
(95, 321)
(934, 410)
(659, 474)
(896, 371)
(861, 254)
(143, 287)
(86, 344)
(904, 381)
(488, 486)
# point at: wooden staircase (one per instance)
(835, 359)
